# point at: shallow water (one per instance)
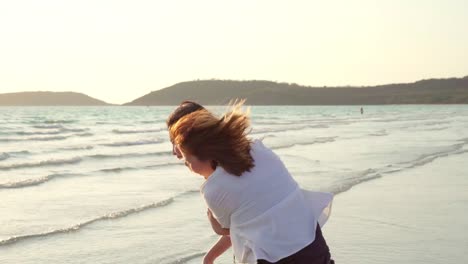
(99, 184)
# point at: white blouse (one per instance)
(268, 215)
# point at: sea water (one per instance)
(100, 184)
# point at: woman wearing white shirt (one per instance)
(253, 202)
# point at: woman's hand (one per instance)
(223, 244)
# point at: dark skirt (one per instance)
(316, 252)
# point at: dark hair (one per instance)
(222, 140)
(185, 108)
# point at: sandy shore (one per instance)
(414, 216)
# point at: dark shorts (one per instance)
(316, 252)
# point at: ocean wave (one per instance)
(345, 185)
(84, 134)
(117, 170)
(422, 126)
(428, 158)
(436, 123)
(110, 216)
(33, 139)
(51, 138)
(4, 156)
(21, 152)
(47, 126)
(77, 148)
(78, 159)
(121, 131)
(129, 155)
(32, 182)
(33, 133)
(52, 162)
(379, 133)
(159, 165)
(436, 129)
(59, 121)
(168, 164)
(74, 228)
(132, 143)
(314, 141)
(285, 129)
(372, 174)
(283, 122)
(150, 121)
(185, 259)
(46, 138)
(74, 129)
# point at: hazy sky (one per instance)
(117, 51)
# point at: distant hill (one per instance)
(48, 99)
(218, 92)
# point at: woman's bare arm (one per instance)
(216, 225)
(223, 244)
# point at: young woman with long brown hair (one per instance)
(253, 202)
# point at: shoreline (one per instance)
(412, 216)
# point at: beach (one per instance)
(414, 216)
(100, 184)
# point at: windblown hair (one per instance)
(185, 108)
(222, 140)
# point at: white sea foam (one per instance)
(122, 131)
(109, 216)
(132, 143)
(44, 163)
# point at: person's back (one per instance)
(264, 208)
(254, 192)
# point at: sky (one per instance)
(117, 51)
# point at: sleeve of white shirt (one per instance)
(220, 207)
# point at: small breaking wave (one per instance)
(76, 130)
(129, 155)
(46, 138)
(84, 135)
(185, 259)
(428, 158)
(160, 165)
(315, 141)
(285, 129)
(39, 138)
(52, 138)
(75, 160)
(4, 156)
(150, 121)
(117, 170)
(77, 148)
(132, 143)
(110, 216)
(379, 133)
(32, 182)
(436, 129)
(47, 126)
(119, 131)
(59, 121)
(25, 133)
(21, 152)
(168, 164)
(52, 162)
(345, 185)
(372, 174)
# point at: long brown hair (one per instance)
(222, 140)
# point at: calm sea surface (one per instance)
(99, 184)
